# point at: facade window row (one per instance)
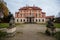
(21, 20)
(39, 20)
(31, 14)
(35, 20)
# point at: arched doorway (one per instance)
(30, 19)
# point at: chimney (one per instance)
(26, 5)
(33, 5)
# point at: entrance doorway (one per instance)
(30, 19)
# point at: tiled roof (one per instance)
(43, 12)
(49, 17)
(16, 12)
(29, 7)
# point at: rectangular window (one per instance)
(36, 15)
(39, 15)
(24, 14)
(21, 15)
(30, 14)
(27, 20)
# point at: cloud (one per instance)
(51, 7)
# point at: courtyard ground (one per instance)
(30, 32)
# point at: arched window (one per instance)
(42, 20)
(24, 20)
(39, 20)
(36, 20)
(21, 20)
(17, 20)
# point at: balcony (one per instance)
(29, 16)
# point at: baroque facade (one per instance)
(30, 14)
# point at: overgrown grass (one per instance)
(57, 35)
(4, 25)
(3, 34)
(57, 25)
(18, 24)
(41, 23)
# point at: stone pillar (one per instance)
(32, 20)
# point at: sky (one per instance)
(51, 7)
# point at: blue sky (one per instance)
(51, 7)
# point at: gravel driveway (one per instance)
(31, 32)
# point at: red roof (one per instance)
(49, 17)
(43, 12)
(16, 12)
(29, 7)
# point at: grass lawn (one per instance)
(4, 25)
(57, 25)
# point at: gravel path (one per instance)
(31, 32)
